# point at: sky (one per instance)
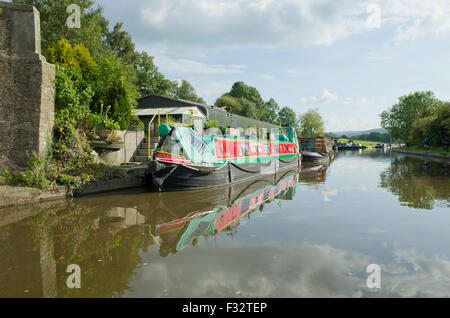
(350, 59)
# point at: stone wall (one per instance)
(26, 87)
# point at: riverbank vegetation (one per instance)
(416, 116)
(373, 136)
(99, 76)
(422, 149)
(364, 143)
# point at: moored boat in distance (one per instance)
(316, 149)
(186, 160)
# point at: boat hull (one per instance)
(315, 157)
(176, 177)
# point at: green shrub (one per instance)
(36, 174)
(98, 122)
(136, 123)
(436, 127)
(211, 124)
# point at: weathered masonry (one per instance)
(26, 87)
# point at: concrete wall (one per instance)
(132, 140)
(26, 87)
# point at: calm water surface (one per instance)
(307, 234)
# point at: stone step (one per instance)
(152, 139)
(143, 152)
(139, 158)
(144, 145)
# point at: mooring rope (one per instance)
(287, 161)
(245, 170)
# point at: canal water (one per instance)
(323, 232)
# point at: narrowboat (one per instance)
(316, 149)
(186, 160)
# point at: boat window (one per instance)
(171, 145)
(245, 151)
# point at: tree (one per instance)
(230, 104)
(76, 57)
(288, 118)
(270, 111)
(373, 136)
(436, 126)
(249, 108)
(53, 16)
(75, 71)
(398, 120)
(73, 95)
(121, 44)
(241, 91)
(96, 37)
(186, 91)
(149, 79)
(115, 88)
(311, 124)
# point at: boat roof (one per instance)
(170, 111)
(319, 137)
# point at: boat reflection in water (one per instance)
(314, 172)
(228, 207)
(110, 235)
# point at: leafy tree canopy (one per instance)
(398, 120)
(230, 104)
(247, 101)
(77, 57)
(271, 110)
(311, 124)
(185, 90)
(436, 127)
(288, 118)
(53, 16)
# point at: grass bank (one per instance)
(421, 149)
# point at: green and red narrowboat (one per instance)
(185, 160)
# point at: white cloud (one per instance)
(264, 23)
(326, 194)
(315, 100)
(183, 66)
(270, 23)
(414, 18)
(181, 24)
(291, 270)
(302, 270)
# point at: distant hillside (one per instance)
(359, 132)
